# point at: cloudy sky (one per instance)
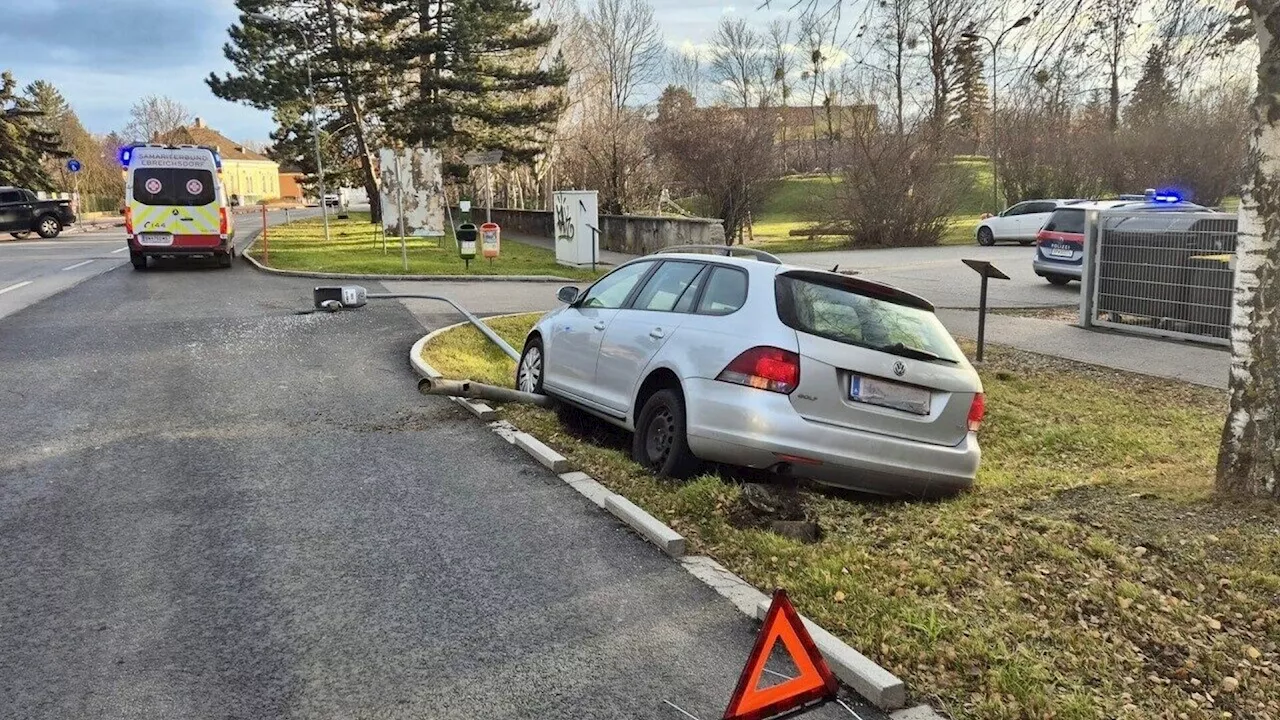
(105, 54)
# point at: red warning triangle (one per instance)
(815, 681)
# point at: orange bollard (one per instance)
(266, 250)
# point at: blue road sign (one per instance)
(73, 165)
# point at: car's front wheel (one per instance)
(661, 442)
(985, 237)
(531, 367)
(49, 227)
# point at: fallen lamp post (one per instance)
(480, 391)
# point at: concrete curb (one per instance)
(653, 530)
(244, 252)
(873, 682)
(877, 685)
(552, 460)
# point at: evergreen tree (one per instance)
(1153, 95)
(467, 74)
(272, 50)
(23, 144)
(971, 114)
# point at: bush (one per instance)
(898, 191)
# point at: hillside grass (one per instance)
(1090, 573)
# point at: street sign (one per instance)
(73, 165)
(985, 269)
(475, 157)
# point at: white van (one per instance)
(175, 205)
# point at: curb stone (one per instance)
(876, 684)
(244, 252)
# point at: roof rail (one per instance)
(726, 250)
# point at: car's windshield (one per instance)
(182, 187)
(853, 318)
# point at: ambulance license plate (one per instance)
(154, 239)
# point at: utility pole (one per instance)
(995, 49)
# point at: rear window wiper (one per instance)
(914, 353)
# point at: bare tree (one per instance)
(738, 60)
(155, 115)
(1112, 31)
(685, 70)
(1249, 459)
(626, 53)
(942, 22)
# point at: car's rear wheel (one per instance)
(985, 237)
(661, 442)
(224, 260)
(1025, 243)
(22, 235)
(49, 227)
(530, 369)
(139, 260)
(1058, 279)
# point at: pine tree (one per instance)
(272, 49)
(1153, 95)
(971, 115)
(23, 144)
(467, 74)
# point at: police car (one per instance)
(1060, 243)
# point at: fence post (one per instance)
(1088, 268)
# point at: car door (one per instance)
(577, 332)
(1037, 214)
(11, 211)
(642, 328)
(1006, 227)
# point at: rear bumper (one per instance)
(184, 245)
(737, 425)
(1044, 268)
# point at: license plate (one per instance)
(155, 239)
(889, 394)
(1061, 251)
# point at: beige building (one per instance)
(246, 175)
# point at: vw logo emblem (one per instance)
(899, 369)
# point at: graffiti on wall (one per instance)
(412, 180)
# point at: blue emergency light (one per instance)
(125, 154)
(1167, 197)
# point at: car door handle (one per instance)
(656, 333)
(599, 326)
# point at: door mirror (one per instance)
(567, 294)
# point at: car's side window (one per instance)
(10, 197)
(685, 304)
(613, 289)
(666, 286)
(726, 292)
(1018, 209)
(1043, 207)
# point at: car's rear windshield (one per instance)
(851, 317)
(183, 187)
(1066, 221)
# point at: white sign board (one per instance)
(412, 181)
(576, 213)
(493, 157)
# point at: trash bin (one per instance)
(466, 234)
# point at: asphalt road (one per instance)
(936, 274)
(211, 507)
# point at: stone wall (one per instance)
(634, 234)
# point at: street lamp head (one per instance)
(969, 35)
(1022, 21)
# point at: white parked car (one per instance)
(754, 363)
(1019, 223)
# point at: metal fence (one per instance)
(1163, 273)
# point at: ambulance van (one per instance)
(175, 205)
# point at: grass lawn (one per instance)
(357, 247)
(1089, 574)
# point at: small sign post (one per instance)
(73, 167)
(487, 159)
(985, 269)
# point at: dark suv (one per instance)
(21, 213)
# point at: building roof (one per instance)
(199, 133)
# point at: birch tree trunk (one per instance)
(1249, 457)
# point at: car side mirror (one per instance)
(567, 294)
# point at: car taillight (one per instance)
(128, 221)
(1041, 237)
(765, 368)
(976, 411)
(223, 223)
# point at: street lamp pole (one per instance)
(995, 89)
(315, 118)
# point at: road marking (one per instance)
(120, 250)
(79, 264)
(24, 283)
